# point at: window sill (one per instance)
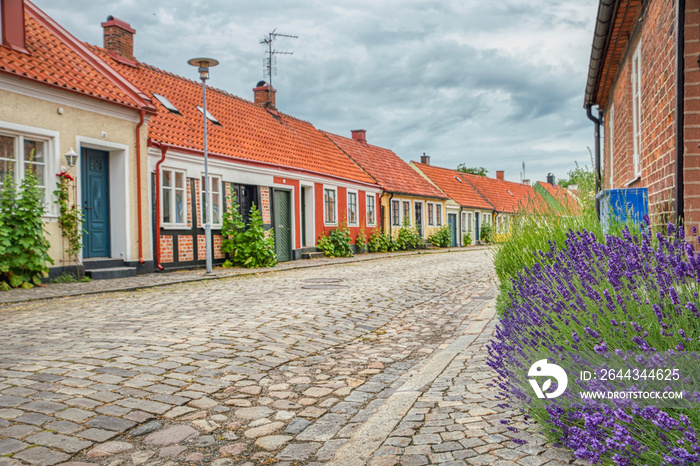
(633, 180)
(174, 226)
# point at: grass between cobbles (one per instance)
(568, 288)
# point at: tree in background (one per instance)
(480, 171)
(584, 180)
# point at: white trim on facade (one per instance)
(57, 96)
(119, 205)
(52, 144)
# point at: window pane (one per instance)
(179, 180)
(166, 205)
(34, 151)
(179, 206)
(216, 200)
(167, 178)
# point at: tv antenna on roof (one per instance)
(270, 62)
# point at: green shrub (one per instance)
(442, 238)
(250, 247)
(379, 242)
(24, 249)
(337, 243)
(486, 233)
(408, 238)
(467, 239)
(361, 241)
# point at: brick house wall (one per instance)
(691, 157)
(655, 35)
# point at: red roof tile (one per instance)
(450, 182)
(562, 195)
(392, 173)
(506, 196)
(247, 131)
(58, 59)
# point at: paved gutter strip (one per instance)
(196, 276)
(378, 428)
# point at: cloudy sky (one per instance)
(484, 83)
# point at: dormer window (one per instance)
(210, 117)
(167, 104)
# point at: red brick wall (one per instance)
(218, 253)
(185, 248)
(201, 248)
(691, 158)
(166, 248)
(657, 154)
(265, 210)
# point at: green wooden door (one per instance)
(95, 189)
(283, 225)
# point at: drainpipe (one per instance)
(596, 155)
(139, 208)
(680, 108)
(461, 240)
(163, 152)
(390, 218)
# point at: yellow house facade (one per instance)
(50, 109)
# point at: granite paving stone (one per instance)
(300, 371)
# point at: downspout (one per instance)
(680, 108)
(461, 229)
(390, 219)
(596, 154)
(163, 152)
(139, 208)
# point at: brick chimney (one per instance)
(526, 182)
(265, 95)
(425, 159)
(500, 175)
(359, 136)
(119, 37)
(12, 24)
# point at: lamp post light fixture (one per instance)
(71, 157)
(203, 65)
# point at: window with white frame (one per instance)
(329, 206)
(611, 135)
(214, 212)
(20, 155)
(464, 222)
(431, 214)
(352, 208)
(637, 109)
(371, 209)
(174, 197)
(407, 213)
(469, 222)
(438, 214)
(395, 213)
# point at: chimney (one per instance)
(12, 24)
(500, 175)
(359, 136)
(425, 159)
(551, 180)
(265, 95)
(526, 182)
(119, 37)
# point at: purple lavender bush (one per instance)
(630, 293)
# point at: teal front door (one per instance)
(452, 222)
(283, 224)
(95, 192)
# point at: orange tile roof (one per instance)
(247, 131)
(391, 172)
(450, 182)
(58, 59)
(506, 196)
(562, 195)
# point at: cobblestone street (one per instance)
(378, 362)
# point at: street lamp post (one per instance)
(203, 65)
